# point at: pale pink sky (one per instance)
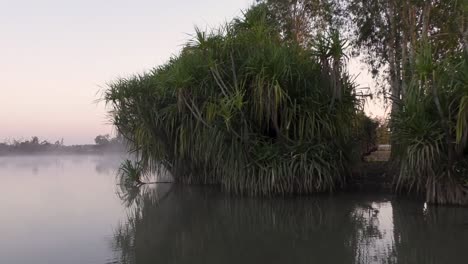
(56, 55)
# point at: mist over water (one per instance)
(59, 209)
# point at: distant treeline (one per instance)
(35, 145)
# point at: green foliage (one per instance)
(130, 173)
(301, 21)
(420, 47)
(243, 108)
(431, 159)
(461, 83)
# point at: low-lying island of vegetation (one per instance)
(103, 144)
(261, 109)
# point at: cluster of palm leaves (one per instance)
(130, 173)
(243, 108)
(430, 131)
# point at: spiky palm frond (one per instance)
(430, 130)
(130, 173)
(241, 108)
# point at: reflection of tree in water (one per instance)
(431, 235)
(202, 225)
(374, 236)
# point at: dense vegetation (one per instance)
(246, 108)
(35, 145)
(417, 52)
(419, 49)
(264, 105)
(430, 130)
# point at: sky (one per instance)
(56, 57)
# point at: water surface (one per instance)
(58, 209)
(68, 209)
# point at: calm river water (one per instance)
(68, 209)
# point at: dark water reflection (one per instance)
(201, 225)
(69, 210)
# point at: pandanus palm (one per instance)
(242, 108)
(431, 129)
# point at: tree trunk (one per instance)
(425, 22)
(465, 34)
(404, 47)
(392, 59)
(404, 63)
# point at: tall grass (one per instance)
(431, 132)
(243, 108)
